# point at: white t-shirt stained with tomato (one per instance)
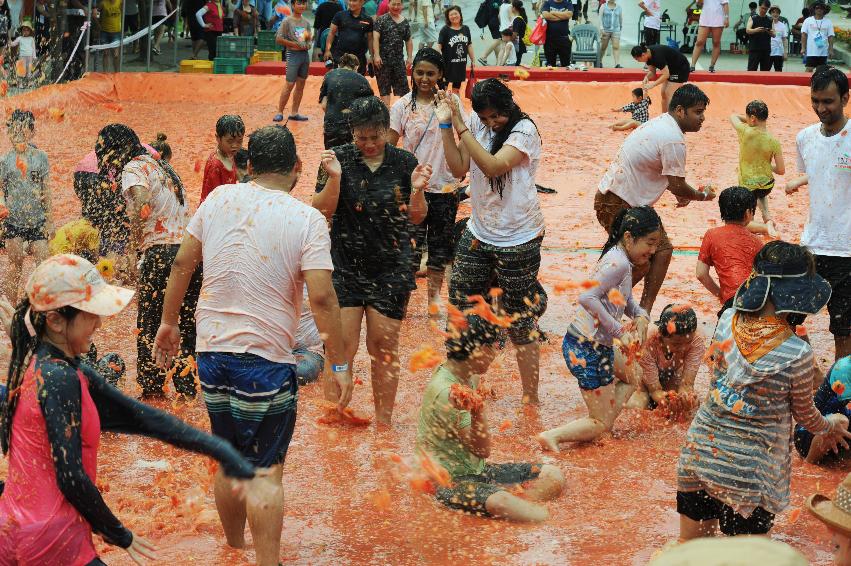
(515, 217)
(256, 243)
(163, 218)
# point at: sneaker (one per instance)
(483, 62)
(618, 66)
(691, 69)
(278, 118)
(711, 69)
(298, 117)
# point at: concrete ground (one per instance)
(169, 60)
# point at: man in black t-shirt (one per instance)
(760, 29)
(557, 14)
(322, 18)
(351, 32)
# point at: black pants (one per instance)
(651, 36)
(759, 59)
(557, 48)
(742, 36)
(153, 277)
(438, 230)
(211, 37)
(78, 63)
(777, 62)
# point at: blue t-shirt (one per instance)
(560, 28)
(828, 403)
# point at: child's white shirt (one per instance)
(26, 46)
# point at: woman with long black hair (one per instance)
(52, 417)
(499, 145)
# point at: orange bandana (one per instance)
(756, 336)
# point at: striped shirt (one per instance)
(738, 447)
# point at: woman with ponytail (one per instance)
(413, 119)
(500, 147)
(51, 419)
(607, 375)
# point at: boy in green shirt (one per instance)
(453, 430)
(757, 150)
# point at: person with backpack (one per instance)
(488, 17)
(519, 27)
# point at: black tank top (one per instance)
(761, 41)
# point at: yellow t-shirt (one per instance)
(110, 16)
(756, 149)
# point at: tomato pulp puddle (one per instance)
(619, 503)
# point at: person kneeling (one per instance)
(831, 398)
(672, 356)
(453, 429)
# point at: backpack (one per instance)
(527, 37)
(483, 14)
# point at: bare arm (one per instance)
(737, 120)
(684, 191)
(393, 137)
(139, 199)
(417, 206)
(779, 165)
(803, 42)
(409, 48)
(326, 314)
(663, 77)
(647, 12)
(476, 438)
(556, 16)
(457, 156)
(372, 51)
(330, 41)
(327, 199)
(706, 279)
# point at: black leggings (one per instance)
(777, 62)
(211, 37)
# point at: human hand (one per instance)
(331, 164)
(326, 55)
(420, 177)
(208, 26)
(141, 550)
(641, 324)
(683, 202)
(442, 110)
(166, 345)
(343, 386)
(376, 61)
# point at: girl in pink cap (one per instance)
(50, 424)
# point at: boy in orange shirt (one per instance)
(220, 168)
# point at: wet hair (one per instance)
(21, 118)
(162, 146)
(449, 9)
(494, 95)
(116, 146)
(752, 5)
(23, 345)
(271, 149)
(478, 333)
(240, 158)
(758, 109)
(638, 221)
(230, 124)
(639, 92)
(688, 96)
(427, 55)
(369, 112)
(518, 5)
(826, 74)
(735, 202)
(766, 3)
(349, 61)
(639, 50)
(683, 317)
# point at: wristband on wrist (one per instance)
(462, 132)
(445, 126)
(340, 368)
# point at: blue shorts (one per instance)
(251, 403)
(598, 360)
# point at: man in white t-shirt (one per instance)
(260, 247)
(652, 20)
(714, 17)
(817, 37)
(652, 160)
(824, 155)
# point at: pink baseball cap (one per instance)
(69, 280)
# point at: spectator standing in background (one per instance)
(780, 39)
(652, 21)
(611, 23)
(557, 46)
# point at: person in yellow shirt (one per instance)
(760, 157)
(110, 31)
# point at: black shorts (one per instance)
(31, 234)
(837, 271)
(651, 36)
(813, 62)
(493, 27)
(392, 305)
(762, 193)
(470, 493)
(679, 75)
(440, 228)
(700, 506)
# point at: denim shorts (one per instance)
(595, 367)
(108, 37)
(251, 403)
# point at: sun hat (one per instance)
(820, 4)
(791, 286)
(835, 513)
(27, 23)
(730, 551)
(68, 280)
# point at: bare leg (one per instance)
(435, 282)
(491, 49)
(507, 506)
(299, 92)
(382, 342)
(547, 485)
(350, 318)
(690, 529)
(668, 90)
(655, 277)
(15, 253)
(625, 125)
(766, 217)
(699, 45)
(604, 46)
(616, 49)
(285, 97)
(265, 509)
(716, 44)
(232, 511)
(528, 362)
